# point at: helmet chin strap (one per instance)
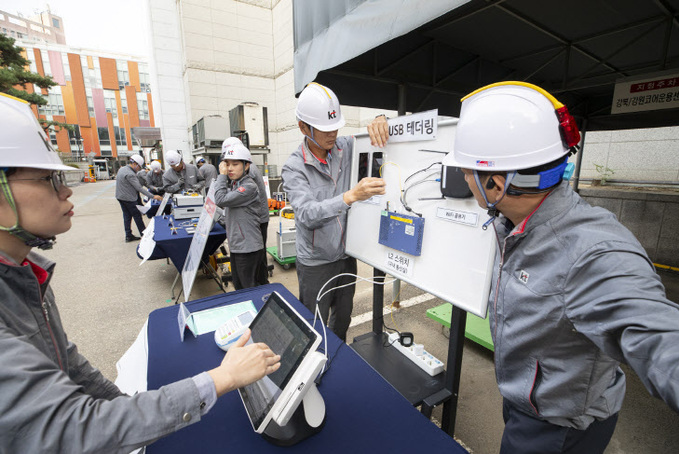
(311, 128)
(28, 238)
(492, 210)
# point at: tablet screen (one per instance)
(287, 334)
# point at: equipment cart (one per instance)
(284, 252)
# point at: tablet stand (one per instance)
(307, 420)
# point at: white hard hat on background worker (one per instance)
(155, 166)
(235, 150)
(137, 159)
(173, 157)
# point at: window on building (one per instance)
(74, 137)
(20, 35)
(67, 68)
(90, 106)
(53, 136)
(46, 63)
(142, 106)
(55, 23)
(110, 103)
(104, 138)
(121, 139)
(54, 106)
(123, 101)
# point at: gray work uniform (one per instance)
(262, 270)
(128, 186)
(240, 202)
(209, 173)
(315, 192)
(154, 181)
(52, 399)
(189, 179)
(573, 295)
(141, 176)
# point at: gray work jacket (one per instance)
(209, 173)
(315, 192)
(154, 180)
(141, 176)
(52, 399)
(189, 179)
(240, 200)
(263, 198)
(127, 185)
(573, 295)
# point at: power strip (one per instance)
(417, 354)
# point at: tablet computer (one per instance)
(284, 330)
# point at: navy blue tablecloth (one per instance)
(155, 204)
(364, 412)
(176, 246)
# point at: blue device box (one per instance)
(401, 232)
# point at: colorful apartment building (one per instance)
(103, 96)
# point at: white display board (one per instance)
(192, 262)
(457, 255)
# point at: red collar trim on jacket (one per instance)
(40, 273)
(322, 161)
(520, 228)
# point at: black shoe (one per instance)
(129, 239)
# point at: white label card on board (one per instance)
(415, 127)
(461, 217)
(400, 263)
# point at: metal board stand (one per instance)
(413, 383)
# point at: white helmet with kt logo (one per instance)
(319, 107)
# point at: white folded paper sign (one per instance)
(208, 320)
(144, 208)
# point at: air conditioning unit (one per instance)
(250, 118)
(211, 131)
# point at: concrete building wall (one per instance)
(231, 51)
(167, 74)
(637, 154)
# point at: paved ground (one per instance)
(105, 296)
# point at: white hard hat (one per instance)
(235, 150)
(172, 157)
(155, 165)
(319, 107)
(231, 141)
(138, 159)
(24, 142)
(511, 126)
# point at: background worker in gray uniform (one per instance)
(127, 194)
(141, 175)
(573, 292)
(154, 178)
(237, 193)
(53, 400)
(316, 178)
(208, 171)
(263, 268)
(181, 176)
